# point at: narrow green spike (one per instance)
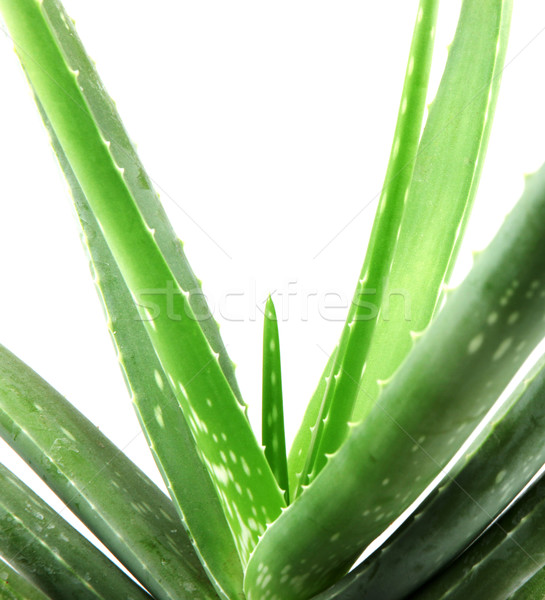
(51, 553)
(429, 408)
(339, 396)
(500, 463)
(13, 586)
(273, 410)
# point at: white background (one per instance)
(267, 128)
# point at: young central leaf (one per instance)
(274, 440)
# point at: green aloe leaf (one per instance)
(358, 329)
(274, 440)
(109, 123)
(482, 484)
(52, 554)
(532, 589)
(116, 501)
(13, 586)
(500, 562)
(444, 184)
(437, 398)
(388, 229)
(188, 481)
(237, 465)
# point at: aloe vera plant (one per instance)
(398, 398)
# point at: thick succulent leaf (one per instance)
(13, 586)
(482, 484)
(457, 180)
(443, 186)
(235, 461)
(358, 330)
(187, 480)
(532, 589)
(53, 555)
(124, 509)
(509, 553)
(438, 396)
(273, 435)
(111, 127)
(389, 227)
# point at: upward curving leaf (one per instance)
(388, 229)
(500, 463)
(334, 399)
(122, 150)
(413, 260)
(188, 481)
(439, 395)
(443, 186)
(235, 462)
